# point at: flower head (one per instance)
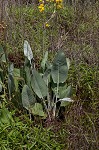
(59, 1)
(47, 25)
(59, 6)
(41, 7)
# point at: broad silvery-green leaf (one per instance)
(27, 51)
(59, 69)
(46, 75)
(11, 69)
(28, 75)
(43, 63)
(37, 109)
(27, 62)
(28, 98)
(68, 62)
(11, 85)
(38, 84)
(65, 101)
(65, 91)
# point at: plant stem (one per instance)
(48, 98)
(47, 110)
(54, 109)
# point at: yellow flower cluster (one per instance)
(58, 1)
(41, 7)
(58, 4)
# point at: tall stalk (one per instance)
(54, 110)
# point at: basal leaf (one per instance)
(43, 63)
(11, 85)
(27, 51)
(37, 109)
(28, 98)
(59, 70)
(65, 101)
(38, 85)
(65, 91)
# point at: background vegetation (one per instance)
(75, 29)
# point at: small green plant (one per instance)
(43, 91)
(9, 76)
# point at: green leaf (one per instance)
(46, 75)
(28, 98)
(28, 75)
(27, 51)
(27, 62)
(59, 69)
(11, 85)
(3, 55)
(64, 104)
(5, 116)
(38, 84)
(16, 72)
(68, 62)
(43, 63)
(3, 58)
(11, 69)
(65, 101)
(65, 91)
(37, 109)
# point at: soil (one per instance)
(17, 58)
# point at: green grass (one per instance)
(21, 135)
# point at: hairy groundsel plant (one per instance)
(43, 90)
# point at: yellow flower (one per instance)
(59, 1)
(41, 7)
(59, 6)
(47, 25)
